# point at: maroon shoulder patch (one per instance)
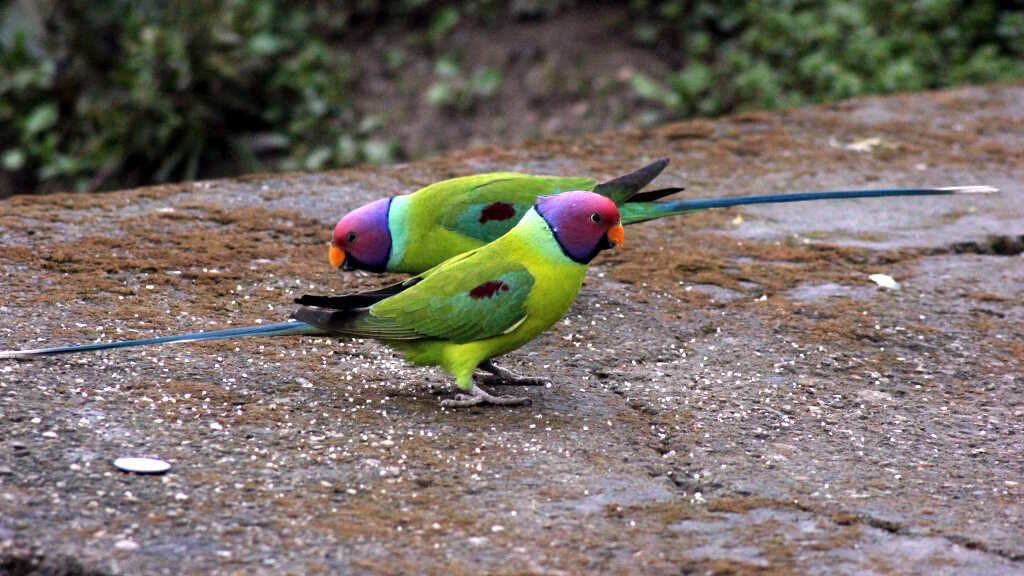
(488, 289)
(497, 211)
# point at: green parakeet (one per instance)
(415, 232)
(465, 311)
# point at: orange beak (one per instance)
(616, 235)
(337, 256)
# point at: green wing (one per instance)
(486, 206)
(494, 204)
(461, 300)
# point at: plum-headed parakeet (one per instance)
(415, 232)
(465, 311)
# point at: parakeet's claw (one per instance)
(503, 376)
(477, 396)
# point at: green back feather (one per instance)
(490, 208)
(471, 297)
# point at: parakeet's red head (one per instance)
(362, 240)
(583, 223)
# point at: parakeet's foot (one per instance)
(477, 395)
(504, 376)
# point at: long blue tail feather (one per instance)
(280, 329)
(639, 212)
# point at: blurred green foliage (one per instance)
(741, 54)
(458, 91)
(116, 93)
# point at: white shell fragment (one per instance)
(126, 545)
(867, 144)
(142, 465)
(885, 281)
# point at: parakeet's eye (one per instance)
(595, 217)
(351, 237)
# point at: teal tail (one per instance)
(280, 329)
(634, 212)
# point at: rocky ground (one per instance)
(733, 394)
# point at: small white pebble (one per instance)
(126, 545)
(142, 465)
(885, 281)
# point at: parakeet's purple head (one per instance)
(584, 223)
(362, 240)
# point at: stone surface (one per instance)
(733, 395)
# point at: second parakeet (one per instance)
(417, 231)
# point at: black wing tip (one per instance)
(309, 299)
(633, 182)
(327, 319)
(315, 316)
(356, 299)
(653, 168)
(658, 194)
(309, 315)
(345, 302)
(648, 172)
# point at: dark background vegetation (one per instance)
(114, 93)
